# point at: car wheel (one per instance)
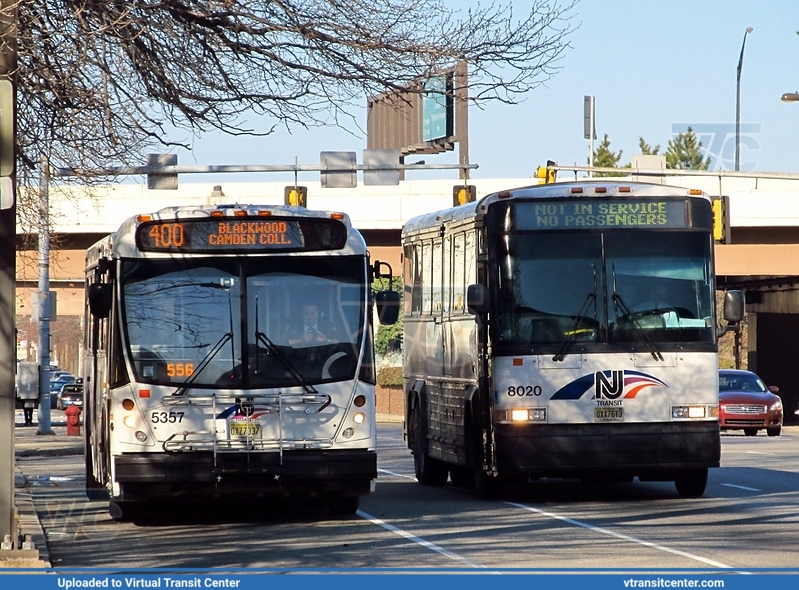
(750, 431)
(776, 431)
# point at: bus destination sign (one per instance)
(601, 214)
(203, 235)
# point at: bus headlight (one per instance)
(130, 421)
(688, 412)
(522, 415)
(359, 418)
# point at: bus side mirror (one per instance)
(734, 306)
(100, 296)
(477, 299)
(387, 304)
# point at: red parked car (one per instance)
(745, 403)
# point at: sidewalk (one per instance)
(28, 443)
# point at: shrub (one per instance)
(389, 376)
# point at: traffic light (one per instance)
(721, 220)
(546, 175)
(295, 196)
(464, 193)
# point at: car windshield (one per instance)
(742, 382)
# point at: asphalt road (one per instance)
(748, 518)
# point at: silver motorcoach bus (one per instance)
(564, 330)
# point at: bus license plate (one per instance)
(243, 428)
(615, 414)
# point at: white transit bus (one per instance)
(196, 383)
(534, 346)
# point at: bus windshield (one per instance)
(240, 322)
(605, 287)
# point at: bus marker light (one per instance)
(217, 213)
(337, 216)
(264, 213)
(625, 189)
(143, 218)
(577, 190)
(600, 189)
(240, 213)
(127, 403)
(694, 191)
(360, 400)
(144, 393)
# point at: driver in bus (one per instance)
(313, 329)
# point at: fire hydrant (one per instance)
(73, 420)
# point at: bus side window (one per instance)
(458, 274)
(427, 278)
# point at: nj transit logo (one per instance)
(609, 385)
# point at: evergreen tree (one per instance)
(646, 149)
(684, 152)
(604, 157)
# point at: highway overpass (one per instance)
(762, 258)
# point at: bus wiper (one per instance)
(639, 331)
(204, 363)
(275, 350)
(227, 337)
(571, 335)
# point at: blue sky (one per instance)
(654, 67)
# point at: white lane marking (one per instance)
(620, 536)
(595, 529)
(419, 540)
(395, 474)
(732, 485)
(756, 453)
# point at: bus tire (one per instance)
(487, 487)
(460, 476)
(123, 511)
(429, 471)
(691, 483)
(343, 506)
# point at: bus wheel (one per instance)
(343, 506)
(460, 476)
(487, 487)
(123, 511)
(429, 471)
(691, 483)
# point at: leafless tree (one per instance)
(102, 82)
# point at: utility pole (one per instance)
(44, 301)
(8, 271)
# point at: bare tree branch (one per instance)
(102, 82)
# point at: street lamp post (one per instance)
(738, 104)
